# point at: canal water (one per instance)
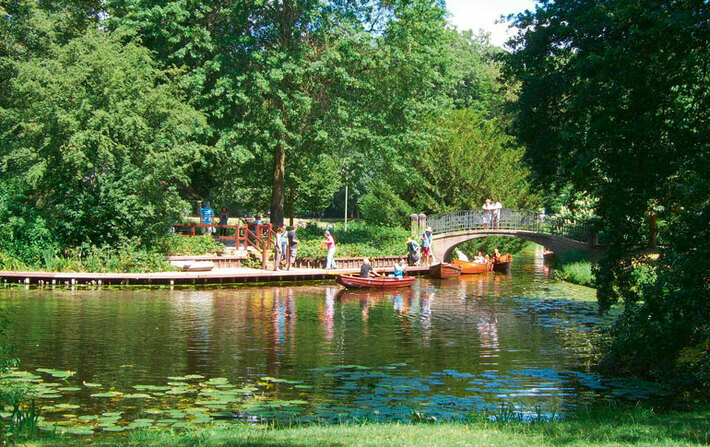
(111, 360)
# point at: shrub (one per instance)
(361, 239)
(174, 244)
(383, 207)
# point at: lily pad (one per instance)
(136, 396)
(58, 373)
(67, 406)
(91, 385)
(69, 388)
(107, 394)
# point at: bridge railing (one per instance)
(477, 220)
(509, 220)
(574, 229)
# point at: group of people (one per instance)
(491, 213)
(286, 247)
(367, 270)
(207, 215)
(420, 251)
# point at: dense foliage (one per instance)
(614, 101)
(115, 112)
(94, 144)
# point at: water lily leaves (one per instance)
(111, 414)
(88, 418)
(187, 377)
(154, 388)
(91, 385)
(140, 423)
(77, 430)
(276, 380)
(107, 394)
(67, 406)
(136, 396)
(217, 381)
(21, 376)
(59, 374)
(69, 388)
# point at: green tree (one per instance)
(613, 99)
(97, 141)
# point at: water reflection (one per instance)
(438, 334)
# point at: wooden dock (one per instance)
(216, 276)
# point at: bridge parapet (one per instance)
(510, 219)
(474, 220)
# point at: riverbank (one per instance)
(602, 425)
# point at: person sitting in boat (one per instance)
(366, 269)
(399, 267)
(480, 259)
(496, 255)
(413, 250)
(461, 256)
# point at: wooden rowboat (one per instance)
(356, 282)
(502, 264)
(444, 271)
(468, 268)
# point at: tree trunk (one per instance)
(277, 188)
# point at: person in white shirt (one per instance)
(497, 207)
(487, 210)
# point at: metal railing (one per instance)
(508, 219)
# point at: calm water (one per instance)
(442, 349)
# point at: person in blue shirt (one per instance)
(399, 268)
(207, 214)
(427, 255)
(280, 247)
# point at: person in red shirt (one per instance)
(329, 242)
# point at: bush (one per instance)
(383, 207)
(361, 239)
(174, 244)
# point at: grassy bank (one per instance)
(574, 267)
(603, 425)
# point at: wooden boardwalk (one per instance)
(216, 276)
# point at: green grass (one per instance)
(574, 267)
(577, 273)
(603, 425)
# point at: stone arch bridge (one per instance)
(452, 229)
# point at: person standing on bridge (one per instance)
(427, 255)
(497, 207)
(487, 210)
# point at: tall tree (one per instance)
(614, 99)
(98, 141)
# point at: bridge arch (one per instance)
(443, 244)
